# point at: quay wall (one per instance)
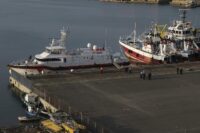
(179, 3)
(24, 89)
(185, 3)
(139, 1)
(21, 84)
(197, 3)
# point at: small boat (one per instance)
(28, 119)
(51, 126)
(34, 107)
(67, 122)
(44, 114)
(57, 58)
(31, 111)
(59, 117)
(70, 128)
(31, 99)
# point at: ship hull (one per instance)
(136, 56)
(34, 70)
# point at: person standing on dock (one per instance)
(181, 71)
(129, 70)
(149, 75)
(101, 70)
(177, 70)
(143, 75)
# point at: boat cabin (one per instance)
(180, 30)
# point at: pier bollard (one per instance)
(44, 95)
(95, 125)
(101, 70)
(69, 110)
(59, 104)
(181, 71)
(49, 100)
(177, 70)
(102, 130)
(88, 120)
(129, 70)
(81, 116)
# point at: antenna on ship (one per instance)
(134, 33)
(53, 42)
(183, 14)
(106, 33)
(63, 36)
(155, 30)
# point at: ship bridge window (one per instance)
(48, 59)
(65, 60)
(188, 32)
(55, 52)
(180, 27)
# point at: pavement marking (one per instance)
(79, 78)
(118, 99)
(184, 130)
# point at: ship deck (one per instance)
(123, 103)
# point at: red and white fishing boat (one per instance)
(149, 49)
(56, 58)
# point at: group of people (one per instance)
(143, 75)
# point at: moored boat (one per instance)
(149, 48)
(28, 119)
(34, 107)
(179, 43)
(186, 36)
(56, 57)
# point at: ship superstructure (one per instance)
(187, 37)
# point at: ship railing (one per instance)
(23, 61)
(18, 62)
(124, 38)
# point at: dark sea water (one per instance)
(26, 27)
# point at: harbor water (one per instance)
(27, 26)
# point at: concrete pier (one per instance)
(179, 3)
(185, 3)
(121, 102)
(23, 88)
(139, 1)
